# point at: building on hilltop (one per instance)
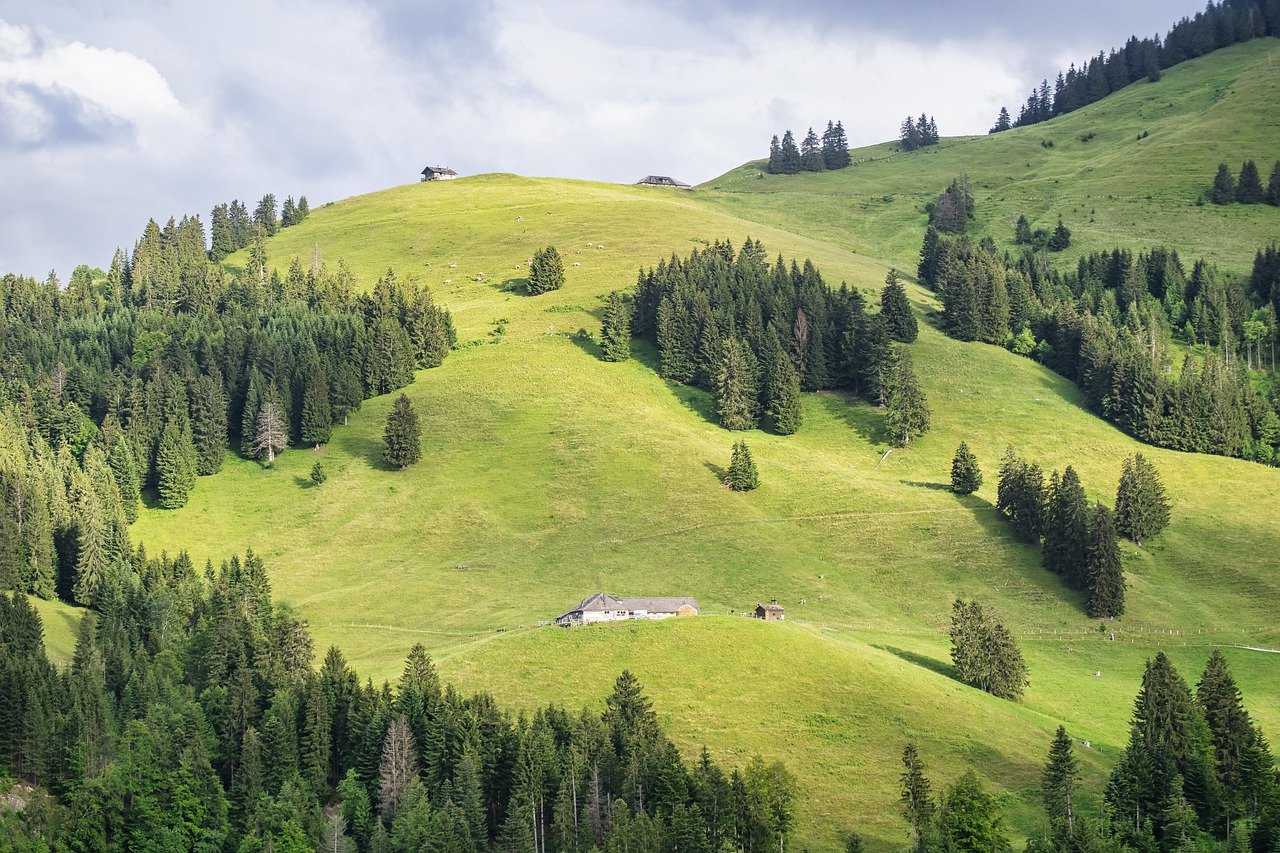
(602, 607)
(438, 173)
(661, 181)
(770, 612)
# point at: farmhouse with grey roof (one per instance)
(602, 607)
(438, 173)
(661, 181)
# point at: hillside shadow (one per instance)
(366, 448)
(696, 400)
(862, 418)
(932, 664)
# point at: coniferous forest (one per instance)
(136, 382)
(1220, 25)
(1111, 326)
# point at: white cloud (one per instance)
(183, 106)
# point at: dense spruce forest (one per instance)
(1110, 325)
(192, 718)
(758, 335)
(1219, 25)
(130, 384)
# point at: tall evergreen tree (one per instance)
(970, 819)
(896, 309)
(775, 166)
(966, 477)
(1058, 785)
(1061, 237)
(1241, 756)
(222, 237)
(742, 475)
(915, 796)
(175, 468)
(1003, 122)
(208, 424)
(615, 333)
(1142, 510)
(317, 415)
(403, 435)
(1273, 186)
(784, 397)
(546, 271)
(265, 215)
(1103, 571)
(811, 159)
(1249, 188)
(791, 160)
(1224, 186)
(1020, 495)
(907, 409)
(736, 393)
(984, 652)
(1066, 529)
(124, 471)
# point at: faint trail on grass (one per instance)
(1257, 649)
(680, 531)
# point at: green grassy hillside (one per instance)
(549, 474)
(1112, 188)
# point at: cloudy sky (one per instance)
(113, 113)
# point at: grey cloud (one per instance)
(36, 118)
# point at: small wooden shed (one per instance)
(770, 612)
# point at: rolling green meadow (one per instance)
(549, 474)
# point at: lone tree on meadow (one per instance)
(615, 333)
(984, 653)
(546, 271)
(897, 310)
(270, 435)
(1061, 238)
(1022, 231)
(1103, 572)
(1249, 190)
(403, 435)
(966, 476)
(742, 475)
(907, 414)
(1142, 510)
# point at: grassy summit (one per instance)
(548, 474)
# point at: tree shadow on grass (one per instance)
(694, 399)
(862, 417)
(721, 474)
(518, 286)
(932, 664)
(936, 487)
(587, 344)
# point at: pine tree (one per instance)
(907, 409)
(897, 310)
(966, 477)
(317, 416)
(1142, 510)
(615, 333)
(175, 467)
(742, 475)
(1239, 748)
(784, 397)
(835, 146)
(1224, 186)
(124, 471)
(984, 652)
(1020, 495)
(1273, 186)
(403, 435)
(1103, 571)
(222, 237)
(399, 767)
(736, 395)
(318, 475)
(1003, 122)
(1022, 231)
(811, 159)
(253, 397)
(960, 315)
(1061, 237)
(916, 799)
(265, 217)
(209, 424)
(1066, 528)
(1249, 189)
(546, 271)
(775, 157)
(1058, 784)
(270, 434)
(791, 162)
(970, 818)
